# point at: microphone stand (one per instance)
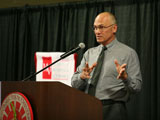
(81, 46)
(34, 74)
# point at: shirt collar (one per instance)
(111, 44)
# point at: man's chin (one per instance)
(100, 41)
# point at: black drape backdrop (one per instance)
(23, 31)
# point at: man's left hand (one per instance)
(121, 69)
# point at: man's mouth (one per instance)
(98, 36)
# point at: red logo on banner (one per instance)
(47, 73)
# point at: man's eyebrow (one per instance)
(99, 25)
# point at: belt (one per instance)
(109, 102)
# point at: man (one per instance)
(120, 74)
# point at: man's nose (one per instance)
(97, 31)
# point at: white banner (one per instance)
(61, 71)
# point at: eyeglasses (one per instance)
(101, 28)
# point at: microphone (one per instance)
(80, 46)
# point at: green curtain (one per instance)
(60, 27)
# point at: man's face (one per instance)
(104, 29)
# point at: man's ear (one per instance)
(115, 27)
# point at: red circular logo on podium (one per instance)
(16, 107)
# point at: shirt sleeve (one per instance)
(76, 81)
(134, 80)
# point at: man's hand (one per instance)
(121, 69)
(86, 71)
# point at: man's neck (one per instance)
(108, 41)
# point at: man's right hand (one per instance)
(86, 71)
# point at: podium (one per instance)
(56, 101)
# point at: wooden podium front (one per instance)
(56, 101)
